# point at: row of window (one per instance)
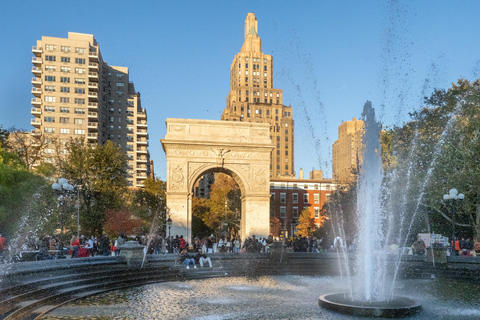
(65, 69)
(52, 47)
(65, 109)
(65, 120)
(64, 130)
(64, 99)
(65, 59)
(295, 186)
(283, 212)
(64, 89)
(65, 79)
(254, 59)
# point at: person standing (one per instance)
(104, 246)
(120, 242)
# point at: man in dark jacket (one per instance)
(201, 258)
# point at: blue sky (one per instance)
(329, 57)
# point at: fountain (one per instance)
(367, 294)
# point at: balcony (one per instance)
(36, 101)
(93, 75)
(36, 133)
(36, 70)
(36, 122)
(92, 136)
(142, 168)
(36, 111)
(37, 50)
(142, 115)
(36, 81)
(142, 141)
(142, 150)
(93, 55)
(92, 94)
(93, 105)
(142, 159)
(93, 115)
(141, 175)
(92, 125)
(93, 65)
(93, 85)
(36, 60)
(142, 124)
(142, 132)
(36, 91)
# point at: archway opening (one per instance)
(216, 209)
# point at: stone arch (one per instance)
(242, 150)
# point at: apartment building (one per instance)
(346, 151)
(78, 95)
(289, 197)
(252, 98)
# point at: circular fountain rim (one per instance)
(397, 308)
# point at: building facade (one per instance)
(346, 151)
(78, 95)
(252, 98)
(289, 197)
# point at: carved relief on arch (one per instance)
(177, 176)
(261, 177)
(194, 167)
(243, 171)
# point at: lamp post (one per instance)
(453, 195)
(62, 187)
(169, 224)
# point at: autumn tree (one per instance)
(27, 147)
(100, 172)
(306, 223)
(275, 226)
(149, 204)
(121, 221)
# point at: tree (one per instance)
(149, 204)
(27, 147)
(275, 226)
(121, 221)
(306, 223)
(100, 173)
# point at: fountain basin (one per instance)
(396, 308)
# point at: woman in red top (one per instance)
(75, 242)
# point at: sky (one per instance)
(330, 57)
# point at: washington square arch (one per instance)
(241, 150)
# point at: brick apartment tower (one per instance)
(252, 98)
(78, 95)
(346, 151)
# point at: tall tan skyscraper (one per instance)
(78, 95)
(252, 98)
(346, 151)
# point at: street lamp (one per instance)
(453, 195)
(169, 223)
(62, 187)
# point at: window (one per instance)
(79, 110)
(119, 75)
(50, 47)
(64, 109)
(49, 130)
(283, 197)
(79, 61)
(64, 89)
(65, 49)
(64, 130)
(64, 120)
(50, 58)
(119, 93)
(80, 70)
(50, 78)
(295, 198)
(49, 99)
(79, 90)
(295, 212)
(316, 198)
(49, 119)
(50, 88)
(50, 68)
(80, 50)
(49, 109)
(65, 79)
(49, 150)
(65, 69)
(79, 121)
(120, 84)
(79, 101)
(79, 131)
(79, 81)
(305, 198)
(64, 99)
(65, 59)
(317, 212)
(283, 212)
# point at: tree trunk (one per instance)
(476, 236)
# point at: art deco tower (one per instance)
(252, 98)
(346, 151)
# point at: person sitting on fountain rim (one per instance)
(201, 257)
(419, 246)
(187, 259)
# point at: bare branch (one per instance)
(445, 216)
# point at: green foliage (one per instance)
(149, 204)
(100, 172)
